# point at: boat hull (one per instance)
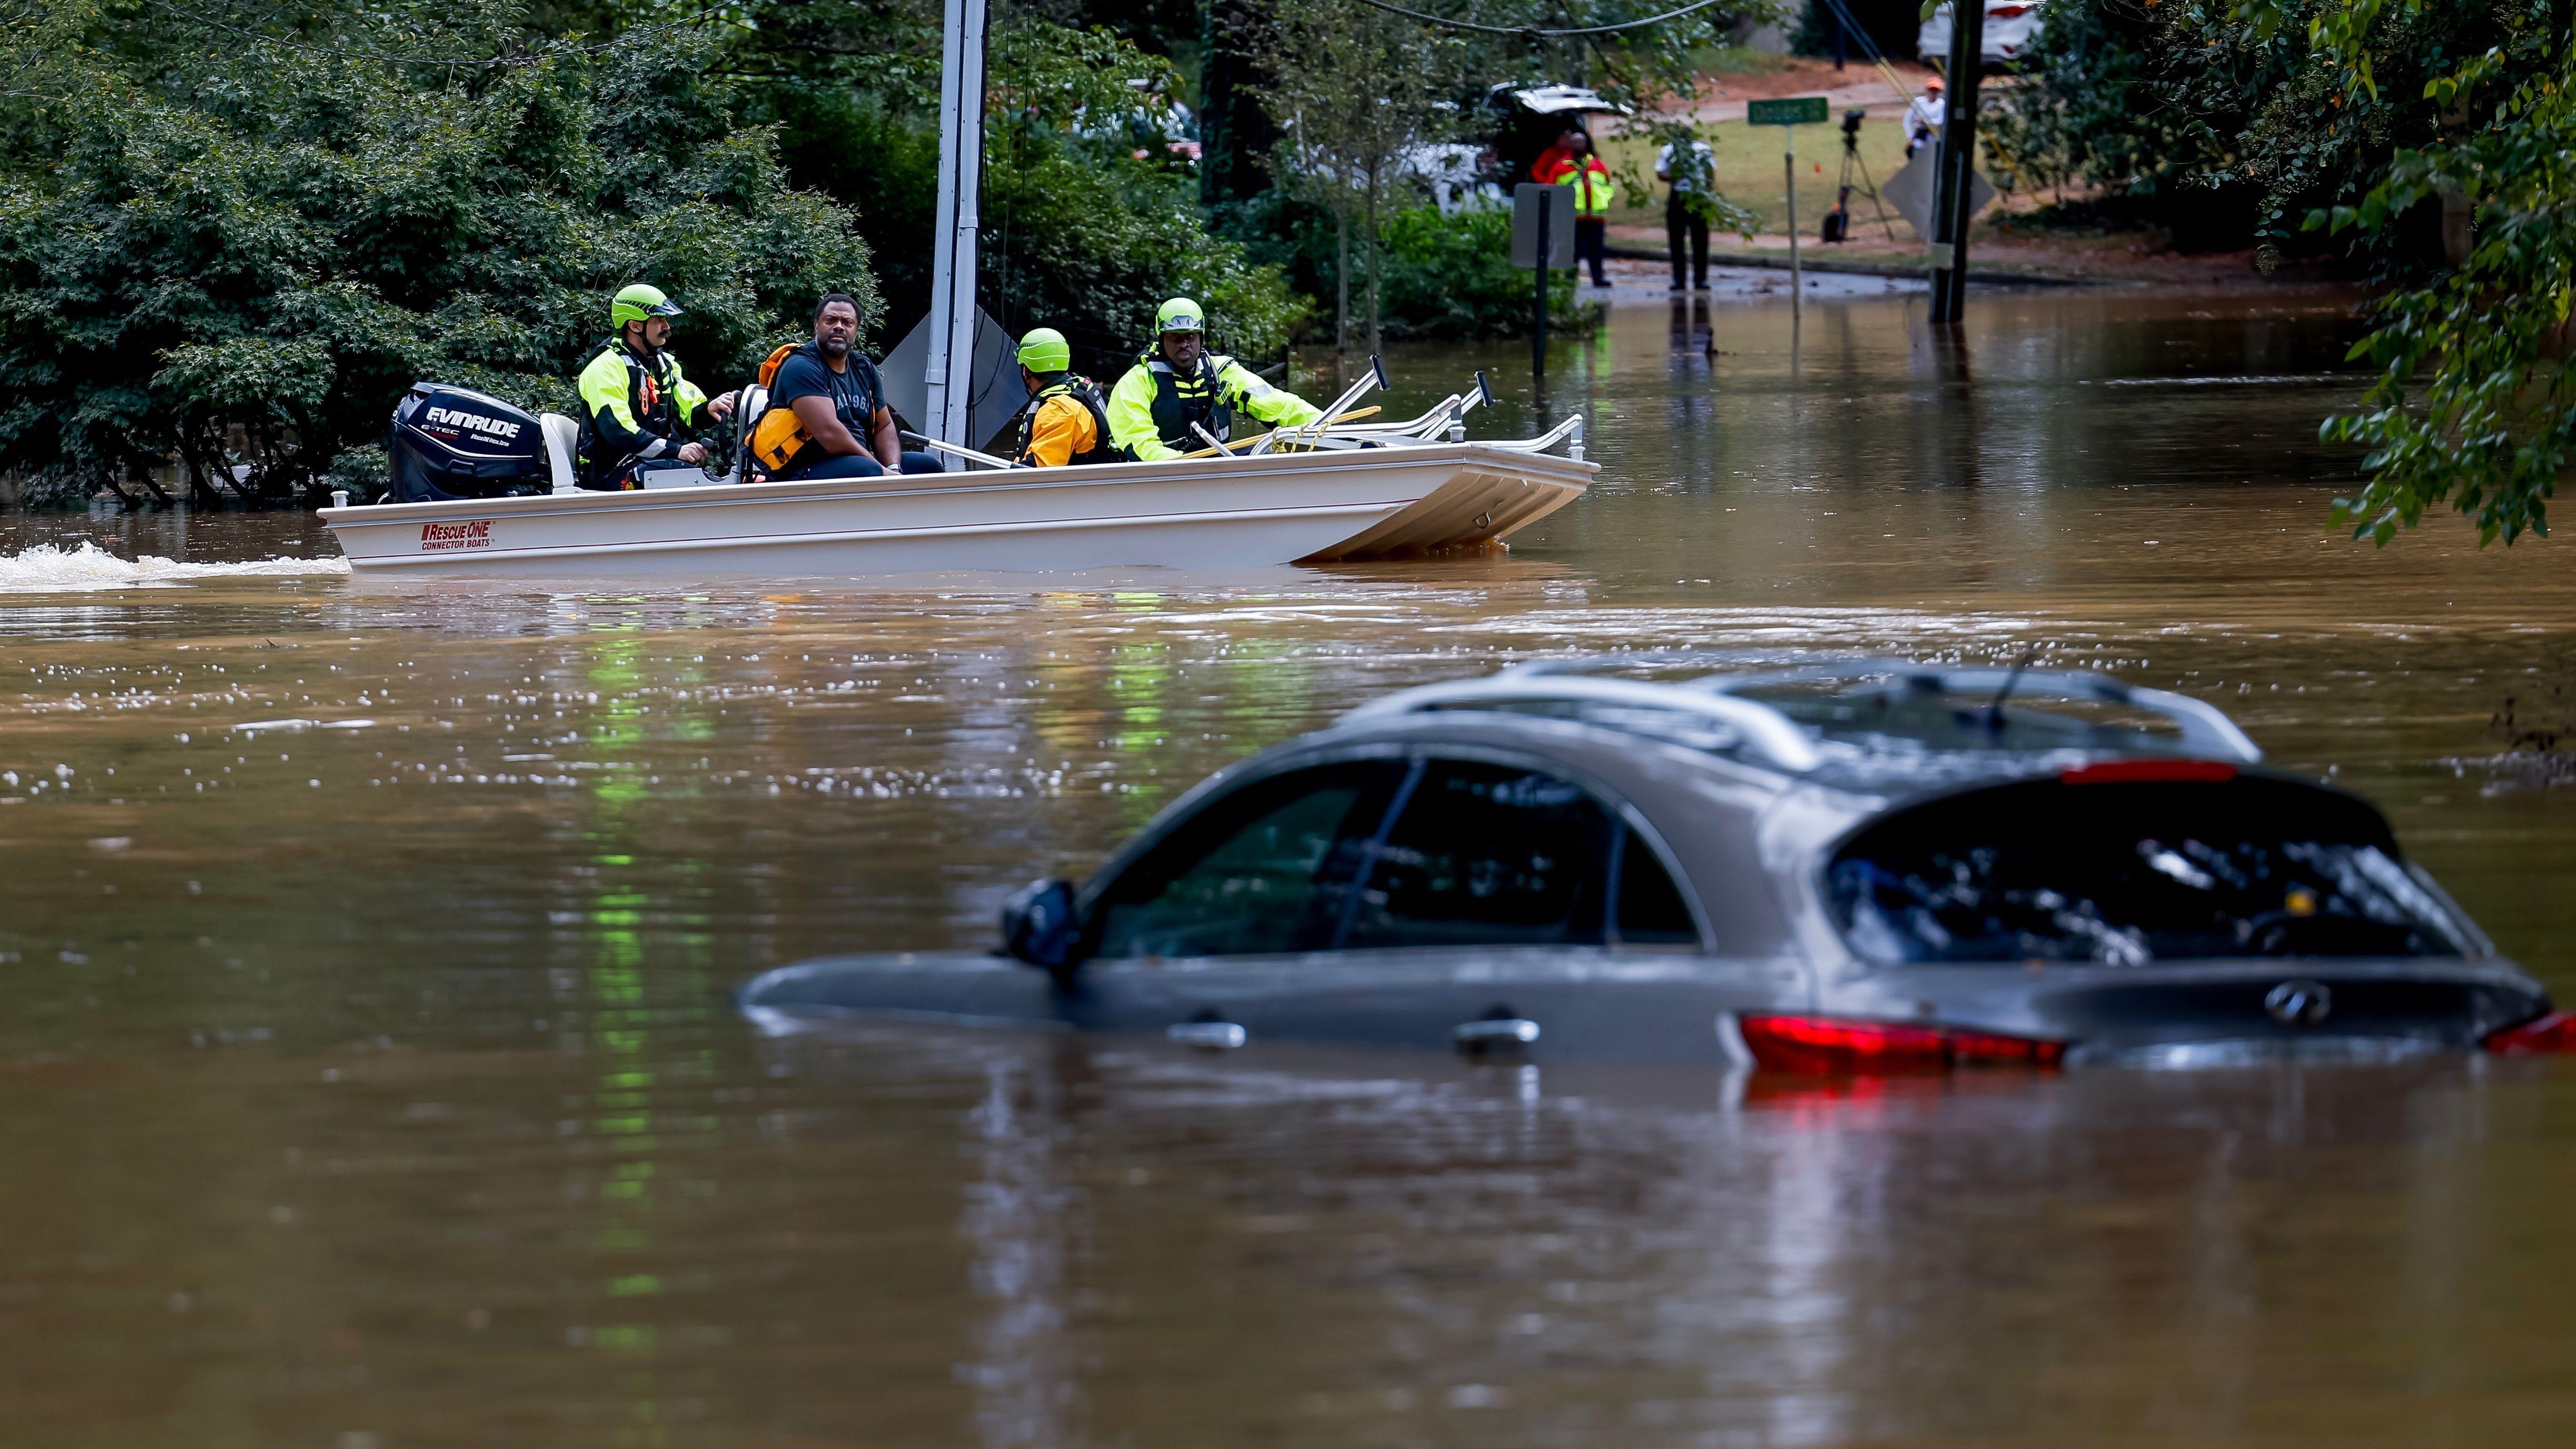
(1201, 514)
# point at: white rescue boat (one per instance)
(1339, 490)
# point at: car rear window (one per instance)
(2132, 872)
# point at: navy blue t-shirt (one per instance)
(856, 395)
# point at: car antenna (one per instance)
(1995, 706)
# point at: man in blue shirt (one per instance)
(827, 413)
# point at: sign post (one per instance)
(1542, 240)
(1788, 114)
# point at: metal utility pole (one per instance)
(1951, 207)
(948, 375)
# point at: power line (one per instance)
(1531, 30)
(1853, 28)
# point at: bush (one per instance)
(248, 258)
(1451, 277)
(1092, 245)
(2226, 123)
(1448, 277)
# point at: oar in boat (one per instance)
(1214, 447)
(969, 454)
(1376, 378)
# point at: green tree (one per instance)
(243, 246)
(1357, 90)
(2229, 119)
(2474, 405)
(1081, 232)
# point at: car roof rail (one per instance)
(1764, 730)
(2205, 727)
(1771, 733)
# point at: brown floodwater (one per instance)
(371, 1079)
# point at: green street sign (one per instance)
(1793, 111)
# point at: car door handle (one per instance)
(1500, 1028)
(1208, 1032)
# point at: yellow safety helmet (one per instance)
(638, 302)
(1045, 350)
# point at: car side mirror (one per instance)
(1039, 924)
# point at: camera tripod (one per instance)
(1837, 225)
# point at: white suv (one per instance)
(2012, 27)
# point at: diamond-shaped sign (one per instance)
(1917, 185)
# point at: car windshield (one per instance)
(2131, 873)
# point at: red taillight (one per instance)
(2130, 772)
(2542, 1036)
(1838, 1046)
(2007, 12)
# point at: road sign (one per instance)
(1911, 190)
(1527, 198)
(1542, 240)
(1792, 111)
(1786, 112)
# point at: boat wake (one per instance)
(50, 569)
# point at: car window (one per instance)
(1265, 868)
(1485, 854)
(1651, 910)
(2129, 874)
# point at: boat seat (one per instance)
(746, 415)
(563, 435)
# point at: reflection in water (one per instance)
(1020, 1218)
(373, 1073)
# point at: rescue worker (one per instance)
(1177, 382)
(1065, 421)
(827, 415)
(1593, 189)
(634, 398)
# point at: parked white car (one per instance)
(2012, 27)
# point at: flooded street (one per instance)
(374, 1080)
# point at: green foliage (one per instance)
(1079, 232)
(1451, 277)
(2495, 422)
(2087, 106)
(1092, 247)
(242, 250)
(2229, 120)
(1447, 277)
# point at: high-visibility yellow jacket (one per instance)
(1592, 183)
(632, 405)
(1151, 409)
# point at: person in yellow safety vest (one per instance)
(1065, 420)
(1177, 382)
(1593, 192)
(634, 398)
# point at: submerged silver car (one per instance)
(1865, 866)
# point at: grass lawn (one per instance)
(1749, 174)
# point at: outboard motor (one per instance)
(453, 442)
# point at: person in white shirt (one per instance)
(1923, 118)
(1690, 169)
